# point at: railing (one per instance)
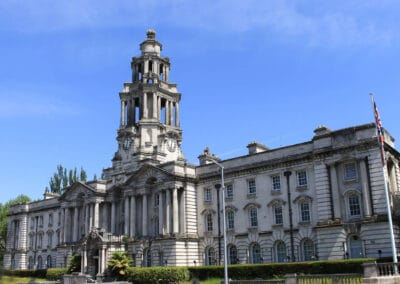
(274, 281)
(329, 279)
(387, 268)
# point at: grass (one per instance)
(15, 280)
(208, 281)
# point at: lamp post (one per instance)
(223, 217)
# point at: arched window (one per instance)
(355, 247)
(230, 219)
(210, 256)
(255, 253)
(209, 222)
(308, 252)
(147, 257)
(48, 261)
(40, 262)
(232, 255)
(280, 251)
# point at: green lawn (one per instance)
(15, 280)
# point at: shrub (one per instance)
(74, 264)
(161, 274)
(118, 264)
(54, 274)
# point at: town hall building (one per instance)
(320, 199)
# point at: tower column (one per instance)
(175, 209)
(170, 112)
(144, 215)
(86, 218)
(62, 222)
(133, 216)
(145, 105)
(122, 112)
(182, 212)
(177, 121)
(155, 110)
(159, 108)
(134, 111)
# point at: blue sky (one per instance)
(270, 71)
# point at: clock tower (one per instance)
(149, 128)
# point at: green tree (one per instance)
(119, 264)
(63, 178)
(4, 220)
(74, 264)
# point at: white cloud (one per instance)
(314, 22)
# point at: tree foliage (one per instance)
(4, 220)
(119, 264)
(64, 177)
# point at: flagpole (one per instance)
(379, 131)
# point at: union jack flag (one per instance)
(379, 130)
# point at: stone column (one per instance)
(146, 66)
(154, 106)
(126, 216)
(160, 213)
(90, 215)
(145, 105)
(175, 216)
(134, 111)
(105, 217)
(96, 215)
(177, 121)
(170, 112)
(167, 111)
(87, 225)
(62, 225)
(113, 217)
(84, 260)
(167, 211)
(133, 216)
(76, 223)
(159, 108)
(365, 189)
(335, 193)
(122, 112)
(144, 215)
(182, 212)
(66, 225)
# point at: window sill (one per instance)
(304, 223)
(277, 225)
(276, 192)
(350, 181)
(251, 196)
(252, 229)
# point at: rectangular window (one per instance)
(207, 195)
(50, 219)
(354, 206)
(209, 223)
(40, 221)
(305, 212)
(251, 186)
(50, 240)
(278, 215)
(230, 220)
(32, 225)
(276, 183)
(302, 178)
(350, 171)
(59, 218)
(253, 217)
(40, 241)
(229, 191)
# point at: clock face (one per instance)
(171, 144)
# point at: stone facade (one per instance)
(321, 199)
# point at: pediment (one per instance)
(147, 175)
(77, 191)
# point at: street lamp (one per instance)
(212, 160)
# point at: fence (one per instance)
(386, 268)
(329, 279)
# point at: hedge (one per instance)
(40, 273)
(55, 273)
(157, 274)
(272, 270)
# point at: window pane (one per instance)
(354, 205)
(308, 250)
(280, 251)
(350, 171)
(278, 215)
(302, 178)
(251, 184)
(305, 211)
(276, 183)
(253, 217)
(230, 220)
(229, 191)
